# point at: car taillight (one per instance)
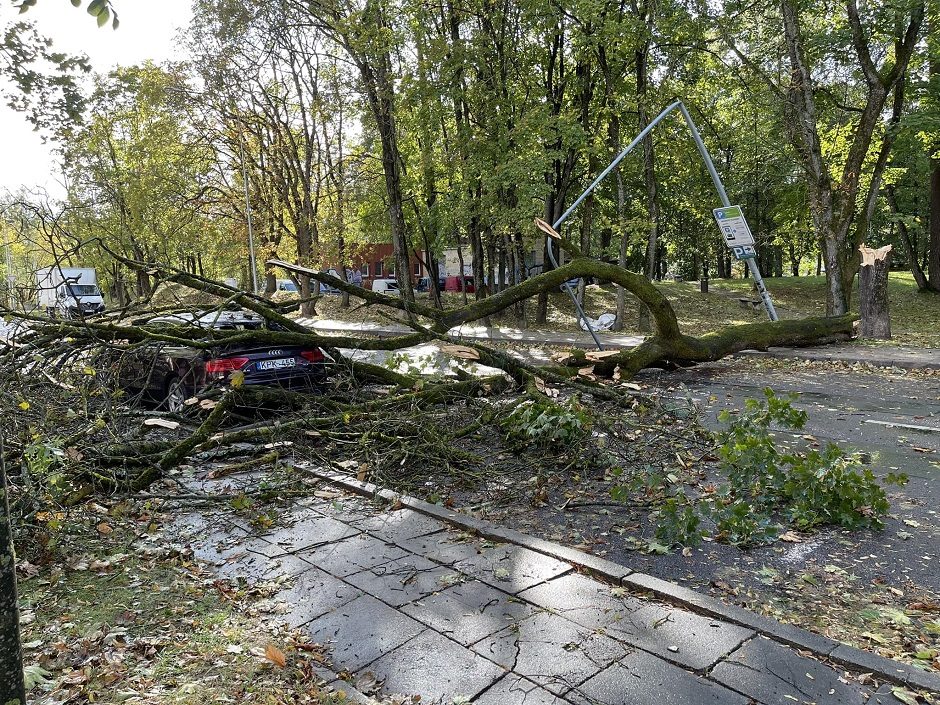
(312, 355)
(225, 364)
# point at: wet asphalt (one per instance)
(849, 407)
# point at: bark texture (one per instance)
(12, 688)
(873, 293)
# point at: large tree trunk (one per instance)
(476, 246)
(933, 247)
(378, 81)
(912, 260)
(873, 293)
(933, 262)
(833, 207)
(12, 688)
(649, 169)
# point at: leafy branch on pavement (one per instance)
(768, 491)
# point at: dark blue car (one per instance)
(170, 374)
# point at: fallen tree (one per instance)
(668, 345)
(55, 373)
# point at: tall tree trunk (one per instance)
(377, 78)
(490, 260)
(431, 221)
(502, 262)
(933, 247)
(519, 274)
(833, 206)
(649, 169)
(476, 245)
(933, 263)
(913, 262)
(12, 688)
(461, 282)
(613, 139)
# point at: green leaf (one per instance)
(657, 548)
(76, 3)
(768, 574)
(103, 17)
(35, 675)
(895, 615)
(905, 696)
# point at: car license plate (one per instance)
(277, 364)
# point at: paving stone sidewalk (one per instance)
(430, 611)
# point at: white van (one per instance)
(69, 291)
(385, 286)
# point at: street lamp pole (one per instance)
(251, 238)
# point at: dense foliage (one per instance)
(452, 126)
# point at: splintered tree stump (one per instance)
(873, 293)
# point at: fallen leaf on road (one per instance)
(905, 696)
(461, 351)
(162, 423)
(275, 656)
(791, 537)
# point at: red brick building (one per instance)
(378, 262)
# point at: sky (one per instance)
(147, 31)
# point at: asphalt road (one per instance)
(879, 412)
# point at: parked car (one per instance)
(170, 374)
(289, 285)
(424, 284)
(385, 286)
(454, 284)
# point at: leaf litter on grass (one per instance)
(110, 619)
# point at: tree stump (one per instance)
(873, 293)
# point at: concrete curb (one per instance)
(919, 362)
(825, 648)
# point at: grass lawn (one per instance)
(915, 317)
(109, 618)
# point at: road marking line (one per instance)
(914, 427)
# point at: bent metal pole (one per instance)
(719, 186)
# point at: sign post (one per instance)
(737, 236)
(741, 251)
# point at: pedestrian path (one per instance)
(404, 599)
(483, 333)
(879, 356)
